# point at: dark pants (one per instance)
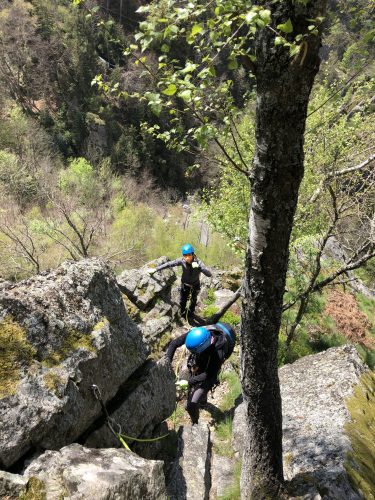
(184, 295)
(196, 396)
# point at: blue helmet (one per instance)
(186, 249)
(198, 339)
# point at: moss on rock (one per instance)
(74, 340)
(15, 353)
(360, 465)
(35, 490)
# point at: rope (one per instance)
(111, 423)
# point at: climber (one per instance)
(209, 347)
(191, 269)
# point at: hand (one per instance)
(182, 384)
(195, 265)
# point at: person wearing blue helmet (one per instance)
(192, 267)
(209, 347)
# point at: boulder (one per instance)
(314, 393)
(146, 399)
(144, 289)
(222, 476)
(188, 478)
(61, 332)
(12, 486)
(76, 472)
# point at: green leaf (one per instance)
(185, 95)
(265, 15)
(250, 16)
(286, 27)
(232, 63)
(143, 8)
(170, 90)
(279, 40)
(196, 29)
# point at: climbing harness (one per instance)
(112, 424)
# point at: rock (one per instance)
(76, 472)
(146, 399)
(63, 331)
(12, 486)
(189, 477)
(222, 297)
(239, 430)
(160, 320)
(314, 392)
(222, 476)
(144, 290)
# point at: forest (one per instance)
(129, 128)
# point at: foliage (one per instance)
(234, 389)
(233, 492)
(223, 436)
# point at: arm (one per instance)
(172, 263)
(204, 269)
(177, 342)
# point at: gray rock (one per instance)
(11, 485)
(76, 472)
(222, 475)
(142, 289)
(189, 477)
(70, 330)
(239, 430)
(147, 399)
(222, 297)
(313, 391)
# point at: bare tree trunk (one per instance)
(283, 89)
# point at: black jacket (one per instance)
(190, 275)
(208, 362)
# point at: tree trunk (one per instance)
(283, 89)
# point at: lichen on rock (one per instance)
(360, 465)
(16, 353)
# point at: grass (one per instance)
(234, 390)
(233, 492)
(223, 436)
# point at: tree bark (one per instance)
(283, 89)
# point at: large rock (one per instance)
(147, 399)
(76, 472)
(144, 290)
(189, 476)
(61, 332)
(314, 392)
(11, 485)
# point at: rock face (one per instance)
(62, 332)
(76, 472)
(314, 391)
(142, 289)
(147, 399)
(189, 477)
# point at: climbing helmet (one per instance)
(186, 249)
(198, 339)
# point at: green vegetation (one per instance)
(223, 436)
(35, 490)
(234, 491)
(16, 355)
(73, 341)
(233, 389)
(360, 463)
